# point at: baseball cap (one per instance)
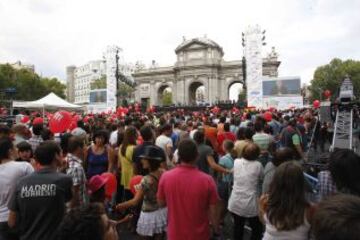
(95, 183)
(78, 132)
(38, 120)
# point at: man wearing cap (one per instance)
(37, 205)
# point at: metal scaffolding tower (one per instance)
(343, 127)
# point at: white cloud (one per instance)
(55, 33)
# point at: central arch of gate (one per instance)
(199, 65)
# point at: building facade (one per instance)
(70, 83)
(199, 63)
(79, 79)
(20, 65)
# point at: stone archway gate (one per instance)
(198, 60)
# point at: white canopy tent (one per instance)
(51, 101)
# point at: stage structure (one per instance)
(253, 41)
(112, 55)
(343, 127)
(282, 93)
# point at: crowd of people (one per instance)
(178, 176)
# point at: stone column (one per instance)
(180, 90)
(186, 100)
(174, 91)
(209, 90)
(152, 93)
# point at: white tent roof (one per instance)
(49, 101)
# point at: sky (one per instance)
(52, 34)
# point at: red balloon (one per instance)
(25, 119)
(267, 116)
(76, 118)
(60, 122)
(111, 184)
(73, 125)
(316, 104)
(135, 180)
(327, 93)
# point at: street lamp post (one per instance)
(243, 62)
(10, 92)
(117, 78)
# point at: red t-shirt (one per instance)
(222, 137)
(188, 194)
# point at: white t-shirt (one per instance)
(176, 156)
(10, 173)
(246, 189)
(163, 142)
(113, 138)
(192, 133)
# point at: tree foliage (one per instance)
(98, 83)
(166, 98)
(330, 77)
(29, 85)
(124, 93)
(124, 90)
(242, 95)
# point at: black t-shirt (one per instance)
(39, 200)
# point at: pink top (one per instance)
(188, 194)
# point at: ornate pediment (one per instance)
(197, 43)
(194, 46)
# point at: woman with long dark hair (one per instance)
(99, 157)
(125, 161)
(281, 155)
(285, 210)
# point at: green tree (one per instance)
(242, 95)
(330, 77)
(29, 85)
(124, 93)
(53, 85)
(166, 98)
(98, 83)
